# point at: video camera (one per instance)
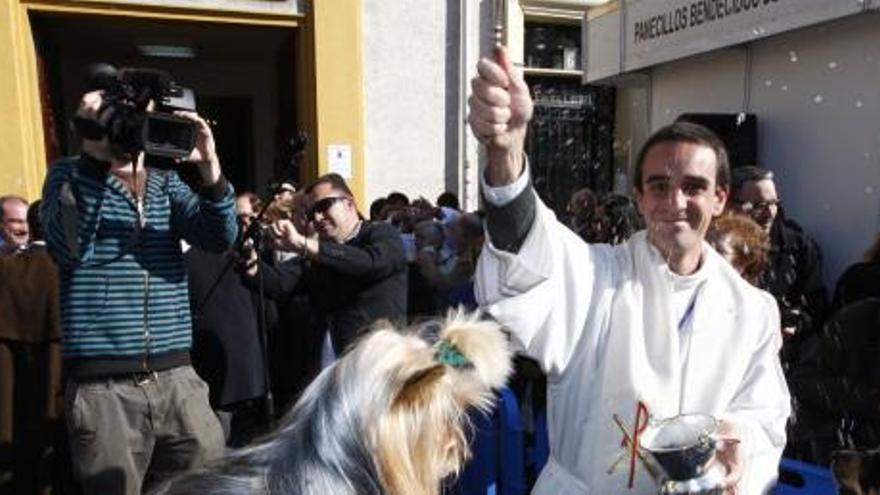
(124, 117)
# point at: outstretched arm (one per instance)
(500, 110)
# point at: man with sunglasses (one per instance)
(354, 271)
(794, 276)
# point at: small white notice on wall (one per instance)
(339, 159)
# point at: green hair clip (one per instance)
(448, 353)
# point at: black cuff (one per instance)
(509, 225)
(216, 192)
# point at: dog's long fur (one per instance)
(386, 419)
(856, 472)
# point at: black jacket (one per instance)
(351, 285)
(226, 350)
(837, 383)
(794, 277)
(859, 281)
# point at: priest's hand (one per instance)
(731, 456)
(500, 110)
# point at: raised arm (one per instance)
(378, 253)
(500, 110)
(73, 194)
(206, 219)
(534, 275)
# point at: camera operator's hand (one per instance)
(204, 154)
(90, 106)
(287, 238)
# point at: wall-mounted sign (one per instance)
(657, 31)
(661, 31)
(339, 159)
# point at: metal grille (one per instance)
(570, 139)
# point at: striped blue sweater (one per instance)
(124, 300)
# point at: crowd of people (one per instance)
(150, 322)
(192, 316)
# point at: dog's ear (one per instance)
(419, 388)
(483, 345)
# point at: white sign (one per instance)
(339, 159)
(659, 31)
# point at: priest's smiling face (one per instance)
(679, 196)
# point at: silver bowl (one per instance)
(683, 445)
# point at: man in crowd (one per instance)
(30, 366)
(135, 409)
(13, 223)
(794, 276)
(655, 327)
(355, 272)
(228, 351)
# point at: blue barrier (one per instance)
(513, 456)
(480, 475)
(801, 478)
(498, 463)
(537, 454)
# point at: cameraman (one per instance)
(136, 411)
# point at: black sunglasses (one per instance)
(322, 205)
(748, 206)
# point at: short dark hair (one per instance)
(448, 199)
(397, 198)
(687, 132)
(376, 208)
(748, 173)
(335, 181)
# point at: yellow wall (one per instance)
(22, 157)
(329, 85)
(338, 84)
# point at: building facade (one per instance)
(263, 70)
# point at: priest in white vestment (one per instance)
(660, 321)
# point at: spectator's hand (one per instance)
(731, 455)
(500, 110)
(89, 108)
(204, 154)
(247, 258)
(286, 237)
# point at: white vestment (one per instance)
(599, 320)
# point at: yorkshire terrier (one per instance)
(390, 417)
(856, 472)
